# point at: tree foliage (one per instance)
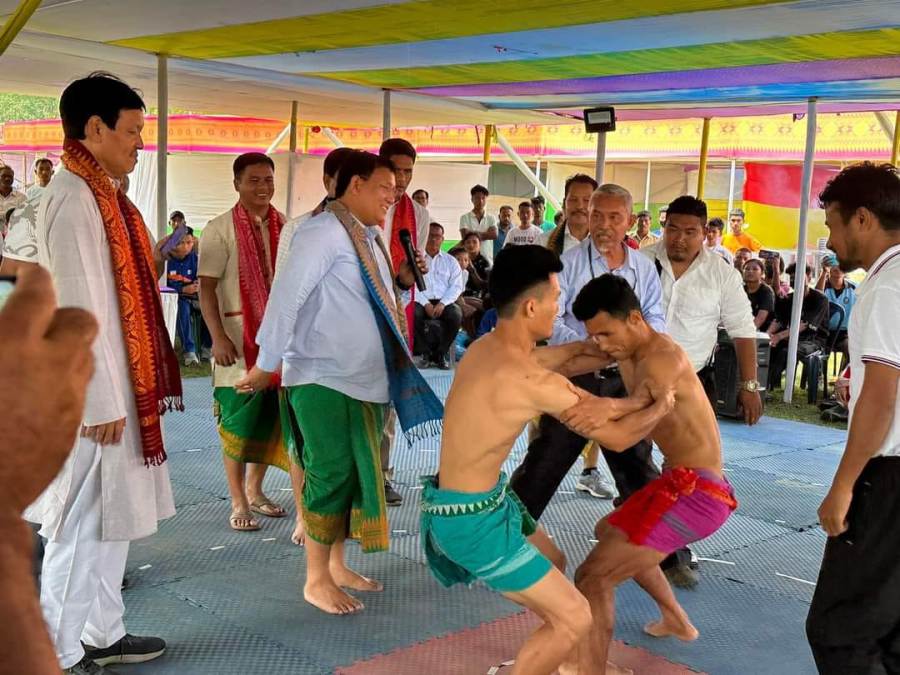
(15, 107)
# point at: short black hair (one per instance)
(756, 261)
(643, 214)
(686, 205)
(607, 293)
(469, 235)
(40, 161)
(791, 270)
(875, 187)
(424, 192)
(527, 205)
(737, 212)
(717, 223)
(250, 159)
(333, 161)
(397, 146)
(457, 250)
(579, 178)
(479, 189)
(538, 199)
(358, 163)
(430, 225)
(101, 94)
(506, 206)
(176, 214)
(7, 167)
(518, 269)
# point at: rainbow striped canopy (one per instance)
(471, 61)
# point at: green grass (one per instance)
(798, 410)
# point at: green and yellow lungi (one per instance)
(343, 493)
(256, 428)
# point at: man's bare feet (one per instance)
(330, 599)
(672, 627)
(613, 669)
(299, 535)
(347, 578)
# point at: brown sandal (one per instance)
(266, 507)
(238, 516)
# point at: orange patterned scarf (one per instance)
(151, 360)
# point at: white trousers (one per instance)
(81, 579)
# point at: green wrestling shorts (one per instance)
(480, 536)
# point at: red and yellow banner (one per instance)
(772, 194)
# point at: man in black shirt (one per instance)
(479, 268)
(762, 298)
(813, 326)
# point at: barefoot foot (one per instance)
(683, 630)
(330, 598)
(299, 535)
(347, 578)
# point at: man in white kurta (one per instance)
(105, 496)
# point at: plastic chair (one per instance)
(816, 364)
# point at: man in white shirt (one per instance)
(700, 292)
(438, 318)
(478, 221)
(854, 618)
(115, 487)
(43, 172)
(9, 198)
(323, 328)
(576, 206)
(525, 233)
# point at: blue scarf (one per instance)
(418, 408)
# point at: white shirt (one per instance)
(874, 336)
(469, 221)
(519, 237)
(320, 320)
(13, 200)
(285, 238)
(444, 280)
(569, 241)
(722, 251)
(583, 263)
(709, 293)
(72, 245)
(35, 191)
(21, 238)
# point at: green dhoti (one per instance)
(343, 492)
(256, 428)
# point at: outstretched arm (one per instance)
(573, 358)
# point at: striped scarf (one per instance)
(151, 360)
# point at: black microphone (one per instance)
(406, 241)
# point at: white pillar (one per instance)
(800, 273)
(292, 156)
(162, 145)
(600, 164)
(731, 178)
(386, 119)
(526, 170)
(537, 172)
(647, 187)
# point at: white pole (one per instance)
(331, 136)
(162, 145)
(647, 187)
(600, 164)
(526, 170)
(537, 172)
(386, 119)
(800, 272)
(273, 146)
(292, 156)
(731, 186)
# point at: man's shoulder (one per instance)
(66, 184)
(571, 254)
(220, 223)
(642, 261)
(421, 212)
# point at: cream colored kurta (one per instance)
(219, 260)
(72, 244)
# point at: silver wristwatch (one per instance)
(750, 385)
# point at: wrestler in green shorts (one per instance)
(480, 536)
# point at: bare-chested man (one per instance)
(473, 526)
(688, 502)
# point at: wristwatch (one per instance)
(750, 385)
